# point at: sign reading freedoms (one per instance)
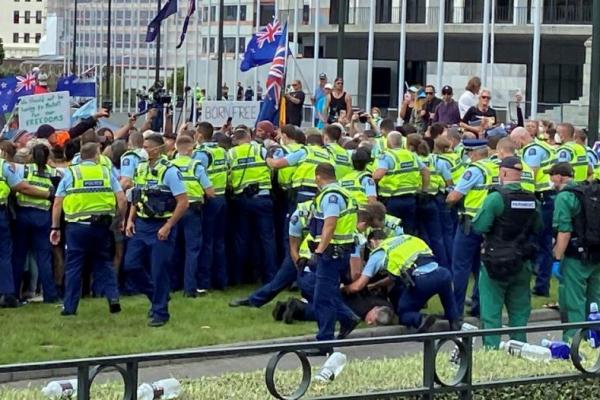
(49, 108)
(241, 112)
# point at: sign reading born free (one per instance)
(241, 112)
(48, 108)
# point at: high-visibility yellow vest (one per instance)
(248, 167)
(91, 193)
(39, 179)
(4, 188)
(436, 181)
(187, 165)
(595, 163)
(352, 182)
(494, 169)
(285, 175)
(456, 165)
(341, 159)
(217, 165)
(104, 161)
(304, 175)
(149, 178)
(542, 179)
(476, 195)
(404, 177)
(579, 160)
(402, 252)
(345, 227)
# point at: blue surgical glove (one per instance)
(556, 270)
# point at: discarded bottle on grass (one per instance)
(332, 368)
(594, 334)
(455, 355)
(560, 350)
(57, 390)
(525, 350)
(164, 389)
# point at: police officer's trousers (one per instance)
(405, 208)
(7, 282)
(430, 227)
(513, 292)
(285, 276)
(466, 260)
(91, 242)
(212, 267)
(143, 249)
(544, 257)
(32, 230)
(306, 283)
(189, 234)
(448, 225)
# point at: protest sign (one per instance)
(240, 112)
(49, 108)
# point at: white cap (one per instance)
(328, 86)
(546, 343)
(594, 307)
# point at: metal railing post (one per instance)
(429, 368)
(83, 382)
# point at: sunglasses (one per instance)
(486, 97)
(339, 83)
(429, 93)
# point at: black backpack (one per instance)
(586, 224)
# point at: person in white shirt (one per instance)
(470, 97)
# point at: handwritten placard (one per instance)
(49, 108)
(240, 112)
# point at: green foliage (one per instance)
(7, 71)
(180, 81)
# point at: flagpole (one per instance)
(148, 54)
(492, 45)
(114, 61)
(137, 58)
(370, 55)
(197, 51)
(99, 73)
(535, 65)
(237, 50)
(207, 70)
(185, 74)
(166, 56)
(157, 65)
(283, 85)
(75, 38)
(176, 21)
(256, 68)
(108, 40)
(295, 37)
(402, 59)
(221, 9)
(485, 41)
(66, 42)
(440, 49)
(122, 89)
(316, 53)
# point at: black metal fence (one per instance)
(462, 384)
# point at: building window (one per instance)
(567, 12)
(38, 17)
(26, 38)
(15, 38)
(15, 17)
(38, 37)
(212, 44)
(229, 45)
(415, 11)
(213, 13)
(27, 17)
(231, 11)
(242, 46)
(267, 12)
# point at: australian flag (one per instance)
(13, 87)
(190, 12)
(154, 26)
(261, 48)
(75, 86)
(269, 110)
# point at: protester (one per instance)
(294, 104)
(469, 98)
(447, 111)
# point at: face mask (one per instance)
(143, 154)
(557, 138)
(375, 115)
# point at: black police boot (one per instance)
(278, 311)
(114, 306)
(8, 301)
(240, 302)
(426, 323)
(294, 311)
(346, 330)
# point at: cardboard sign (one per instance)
(49, 108)
(240, 112)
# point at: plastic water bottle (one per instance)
(593, 334)
(164, 389)
(60, 389)
(455, 355)
(332, 368)
(560, 350)
(525, 350)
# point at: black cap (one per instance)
(322, 75)
(512, 162)
(44, 131)
(562, 169)
(447, 90)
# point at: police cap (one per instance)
(512, 163)
(562, 169)
(474, 144)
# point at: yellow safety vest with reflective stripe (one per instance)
(187, 165)
(341, 159)
(476, 195)
(104, 161)
(40, 180)
(147, 177)
(493, 166)
(90, 194)
(401, 253)
(4, 188)
(542, 179)
(248, 167)
(404, 177)
(593, 157)
(304, 176)
(285, 175)
(456, 165)
(352, 182)
(436, 182)
(579, 160)
(345, 227)
(217, 165)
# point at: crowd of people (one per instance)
(367, 219)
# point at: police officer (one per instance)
(505, 148)
(374, 217)
(506, 274)
(400, 175)
(359, 181)
(471, 189)
(340, 156)
(579, 267)
(131, 158)
(573, 153)
(189, 229)
(159, 201)
(582, 139)
(89, 195)
(33, 222)
(332, 226)
(212, 268)
(90, 136)
(411, 264)
(539, 156)
(250, 183)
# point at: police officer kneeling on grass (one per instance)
(89, 194)
(508, 218)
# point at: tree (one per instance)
(180, 81)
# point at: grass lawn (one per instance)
(37, 332)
